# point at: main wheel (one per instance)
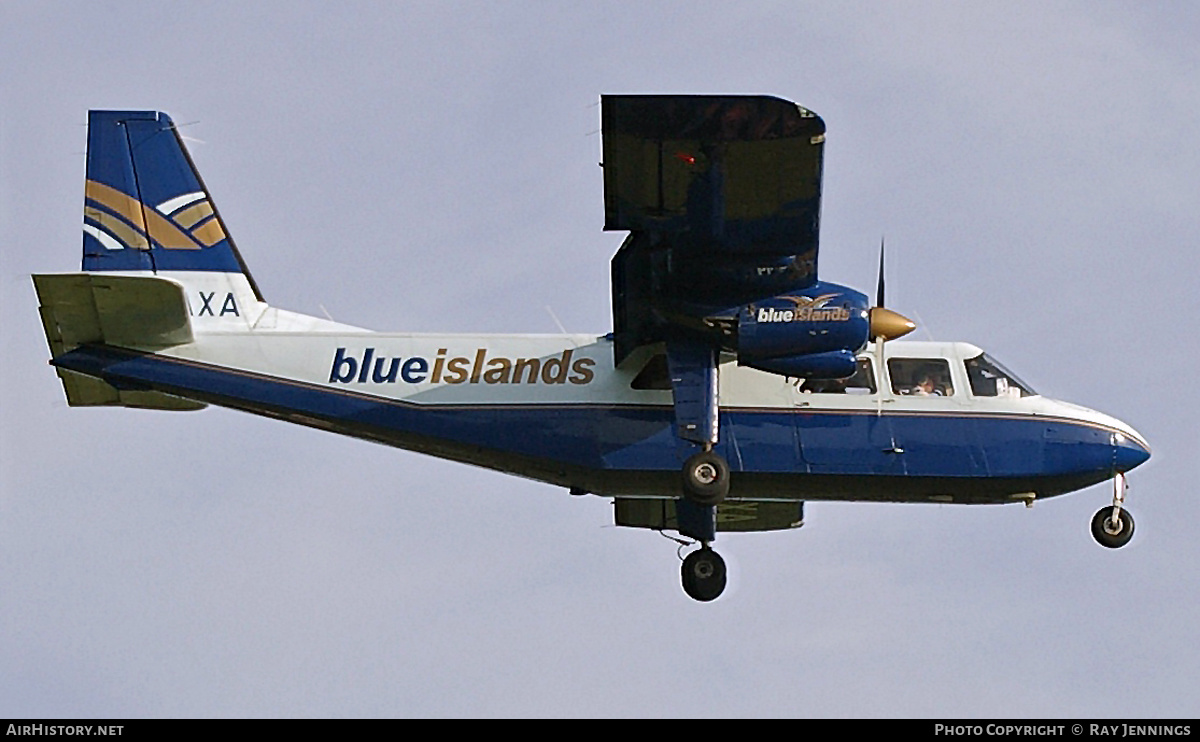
(1110, 534)
(703, 575)
(706, 478)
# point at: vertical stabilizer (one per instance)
(147, 211)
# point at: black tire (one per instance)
(703, 575)
(1106, 534)
(706, 478)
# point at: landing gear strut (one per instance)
(703, 570)
(1113, 526)
(703, 574)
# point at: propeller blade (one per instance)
(879, 287)
(884, 323)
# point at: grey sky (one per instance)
(432, 167)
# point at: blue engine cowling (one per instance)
(812, 333)
(834, 364)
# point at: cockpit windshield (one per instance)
(990, 379)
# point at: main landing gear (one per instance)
(705, 485)
(706, 478)
(1113, 526)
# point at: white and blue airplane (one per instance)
(734, 386)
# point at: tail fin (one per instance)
(159, 267)
(147, 211)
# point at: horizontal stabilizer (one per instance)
(85, 391)
(127, 311)
(138, 312)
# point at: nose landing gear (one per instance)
(703, 570)
(1112, 526)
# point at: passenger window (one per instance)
(862, 382)
(920, 377)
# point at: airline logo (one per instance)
(808, 309)
(119, 221)
(370, 366)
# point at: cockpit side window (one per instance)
(989, 379)
(920, 377)
(862, 382)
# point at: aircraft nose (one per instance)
(1129, 452)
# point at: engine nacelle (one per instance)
(816, 330)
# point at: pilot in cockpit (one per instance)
(926, 387)
(931, 383)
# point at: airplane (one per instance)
(734, 386)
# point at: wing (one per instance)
(722, 198)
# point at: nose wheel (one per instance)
(703, 574)
(1112, 527)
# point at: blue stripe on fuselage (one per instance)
(640, 438)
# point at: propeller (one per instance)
(884, 323)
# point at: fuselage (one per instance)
(554, 408)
